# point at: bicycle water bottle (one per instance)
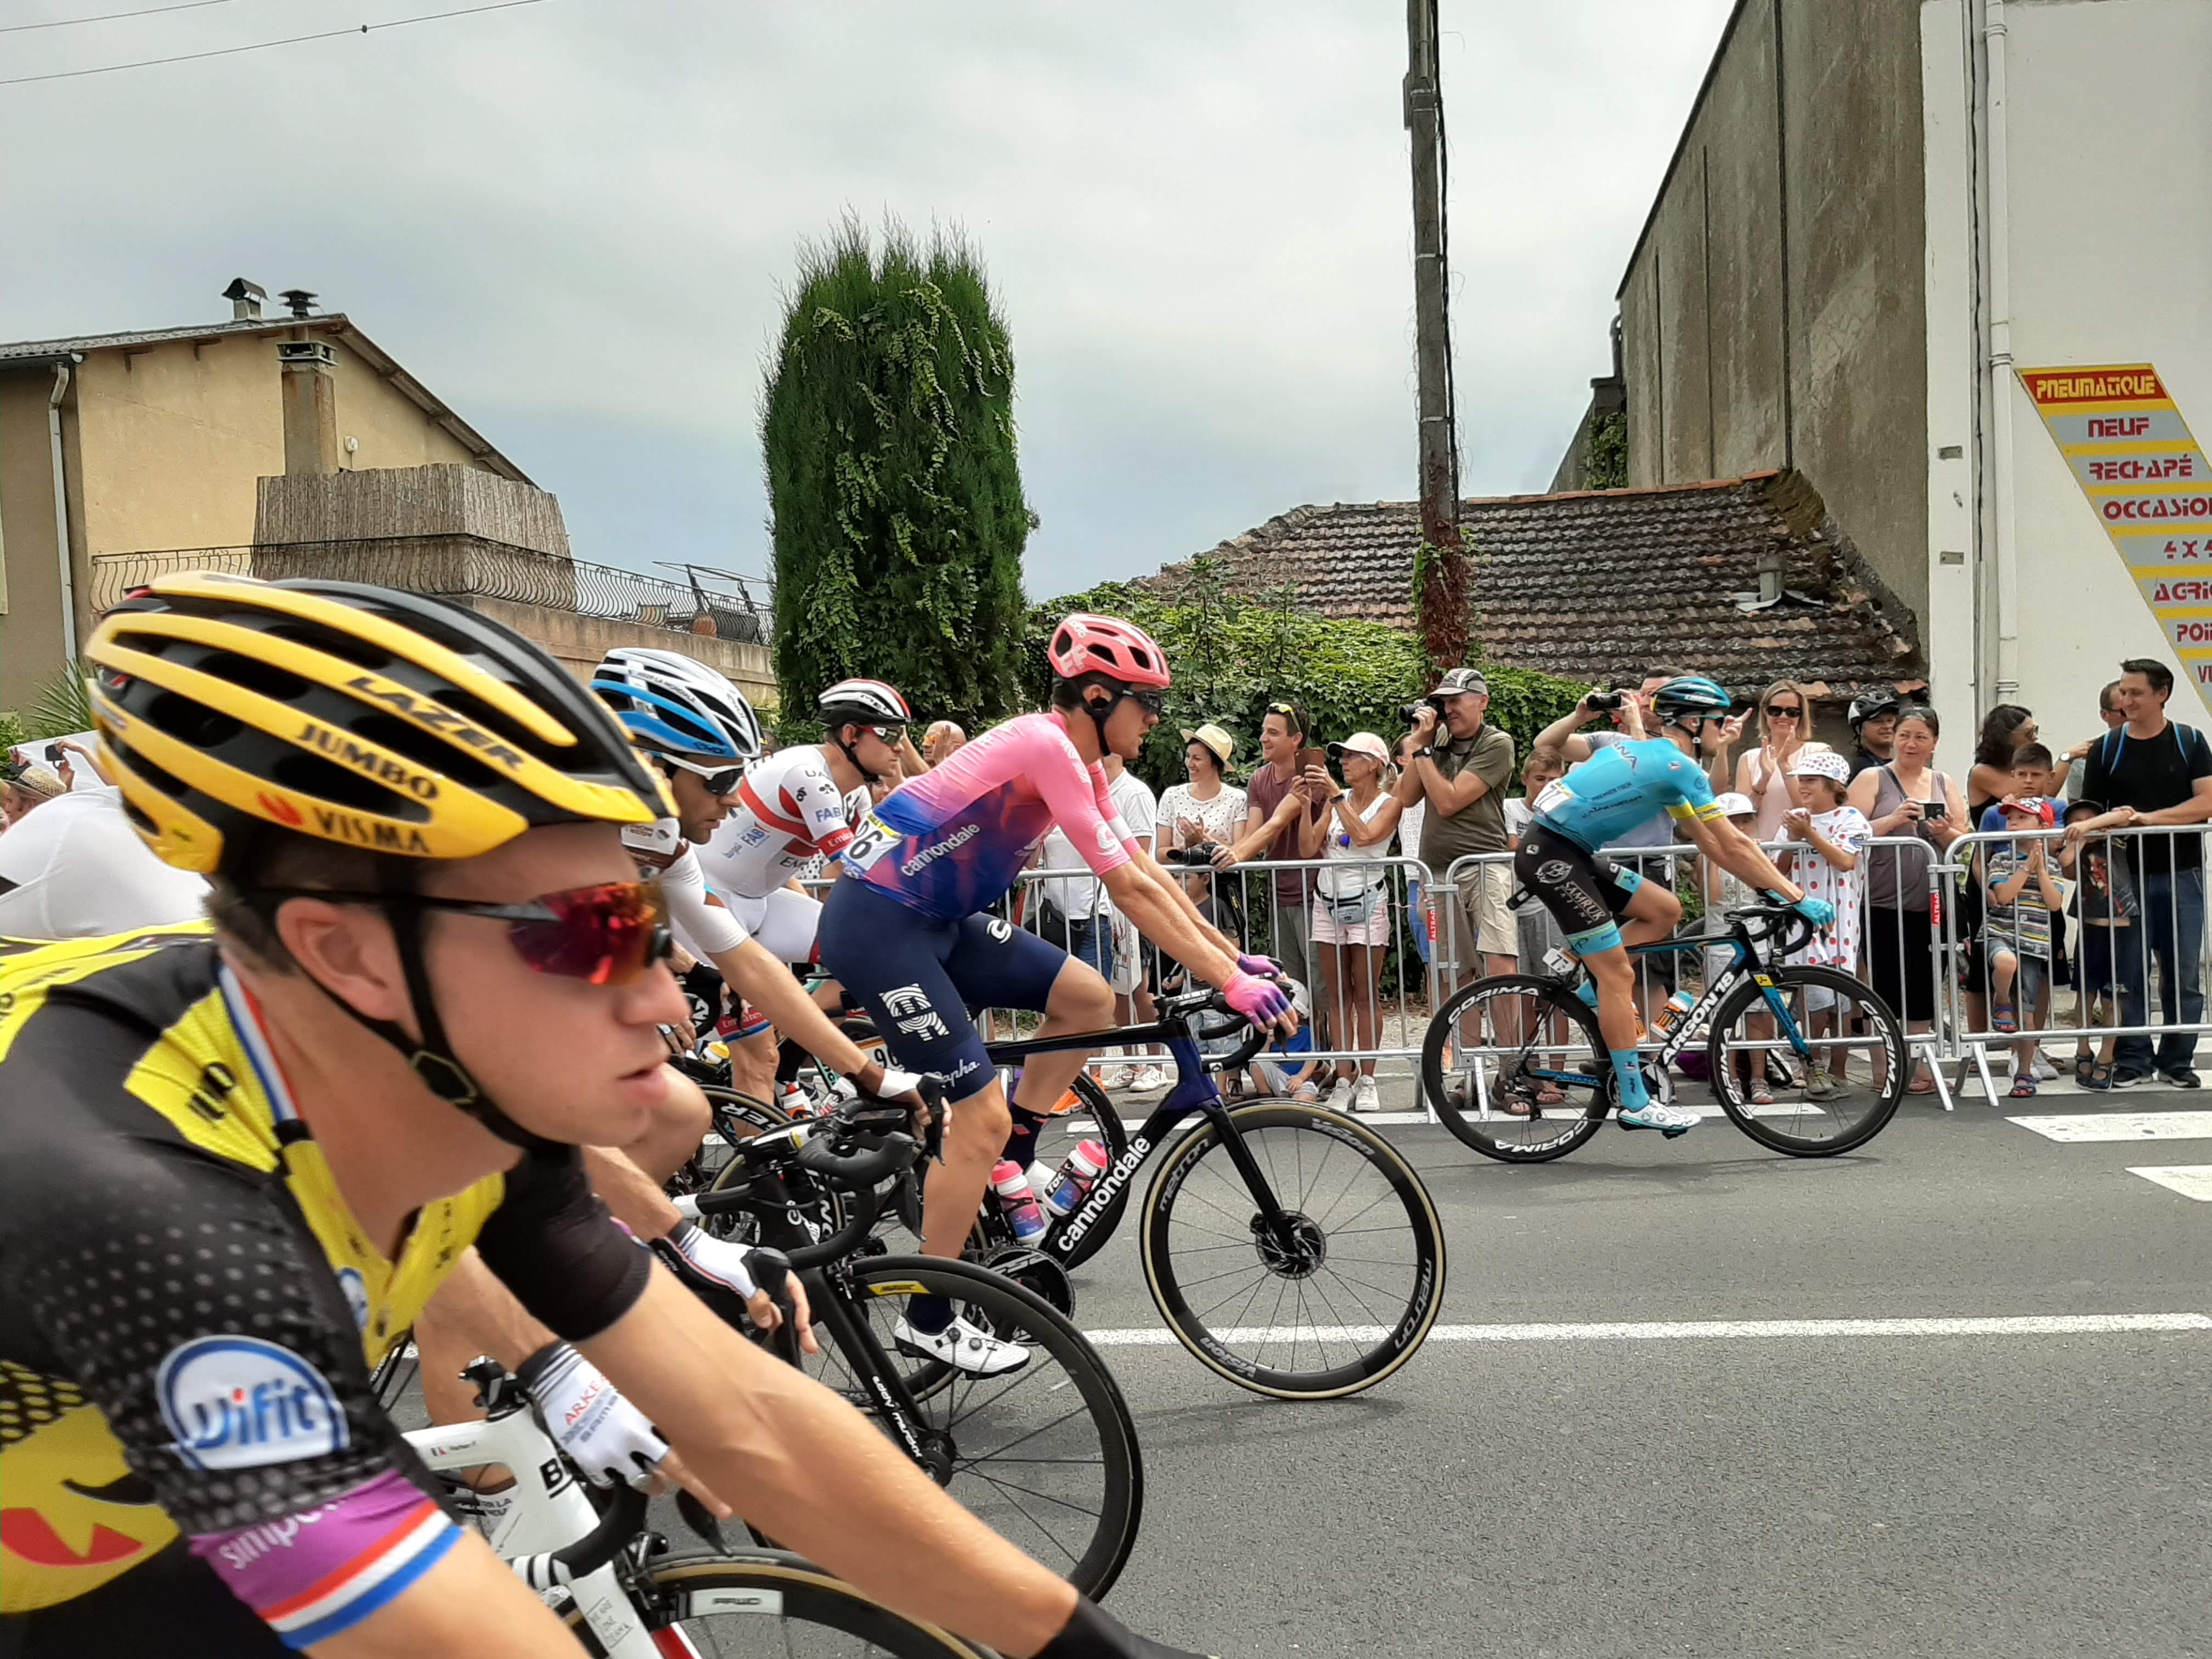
(1078, 1173)
(1016, 1202)
(1676, 1006)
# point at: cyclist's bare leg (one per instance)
(1614, 976)
(679, 1123)
(1080, 1001)
(752, 1065)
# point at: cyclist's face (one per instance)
(878, 753)
(1128, 727)
(697, 810)
(602, 1079)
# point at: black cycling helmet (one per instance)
(1872, 705)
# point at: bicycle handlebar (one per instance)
(623, 1520)
(1786, 933)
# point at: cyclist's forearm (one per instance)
(768, 986)
(1163, 922)
(472, 1313)
(636, 1201)
(469, 1601)
(811, 1472)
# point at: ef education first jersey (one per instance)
(189, 1311)
(952, 842)
(1617, 789)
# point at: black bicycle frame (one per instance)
(1194, 1092)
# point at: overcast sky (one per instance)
(571, 220)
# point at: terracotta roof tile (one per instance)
(1598, 584)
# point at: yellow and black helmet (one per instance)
(388, 721)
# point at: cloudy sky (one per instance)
(571, 219)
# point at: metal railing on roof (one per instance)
(463, 567)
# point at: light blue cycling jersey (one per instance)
(1619, 787)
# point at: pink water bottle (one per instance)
(1078, 1173)
(1016, 1201)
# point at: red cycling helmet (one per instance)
(1084, 644)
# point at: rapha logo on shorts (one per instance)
(1552, 870)
(999, 929)
(237, 1402)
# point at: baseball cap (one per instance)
(1734, 805)
(1362, 742)
(1459, 680)
(2034, 806)
(1214, 737)
(1821, 764)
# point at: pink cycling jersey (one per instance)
(952, 842)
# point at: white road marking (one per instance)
(2121, 1126)
(1694, 1330)
(2189, 1180)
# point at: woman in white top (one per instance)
(1785, 722)
(1351, 906)
(1207, 808)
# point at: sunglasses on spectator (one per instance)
(718, 779)
(1784, 711)
(608, 934)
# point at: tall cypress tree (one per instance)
(895, 496)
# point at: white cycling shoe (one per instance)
(1669, 1120)
(963, 1347)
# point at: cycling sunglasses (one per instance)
(1153, 702)
(608, 934)
(718, 779)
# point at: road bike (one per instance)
(1516, 1067)
(1291, 1249)
(622, 1591)
(1047, 1454)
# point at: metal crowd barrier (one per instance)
(2148, 957)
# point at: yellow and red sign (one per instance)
(2149, 485)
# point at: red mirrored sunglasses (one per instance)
(608, 934)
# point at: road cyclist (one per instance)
(235, 1159)
(903, 930)
(1603, 908)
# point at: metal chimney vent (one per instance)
(301, 301)
(245, 299)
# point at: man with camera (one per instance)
(1458, 766)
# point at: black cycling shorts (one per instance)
(1585, 890)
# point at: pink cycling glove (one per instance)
(1259, 1000)
(1266, 967)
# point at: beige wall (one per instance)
(579, 642)
(30, 630)
(1773, 315)
(176, 437)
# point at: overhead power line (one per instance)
(263, 45)
(111, 16)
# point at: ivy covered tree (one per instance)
(894, 491)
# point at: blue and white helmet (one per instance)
(673, 705)
(1693, 698)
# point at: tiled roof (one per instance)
(1598, 584)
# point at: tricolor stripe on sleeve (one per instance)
(312, 1575)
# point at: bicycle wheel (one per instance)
(1332, 1305)
(1834, 1091)
(771, 1602)
(1047, 1456)
(1495, 1047)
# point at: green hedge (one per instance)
(1233, 655)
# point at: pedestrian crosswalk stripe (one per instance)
(2189, 1180)
(2121, 1126)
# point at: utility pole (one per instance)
(1441, 601)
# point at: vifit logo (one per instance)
(237, 1402)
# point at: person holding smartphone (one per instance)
(1906, 797)
(1281, 795)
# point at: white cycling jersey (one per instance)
(789, 813)
(705, 926)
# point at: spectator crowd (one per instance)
(2087, 877)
